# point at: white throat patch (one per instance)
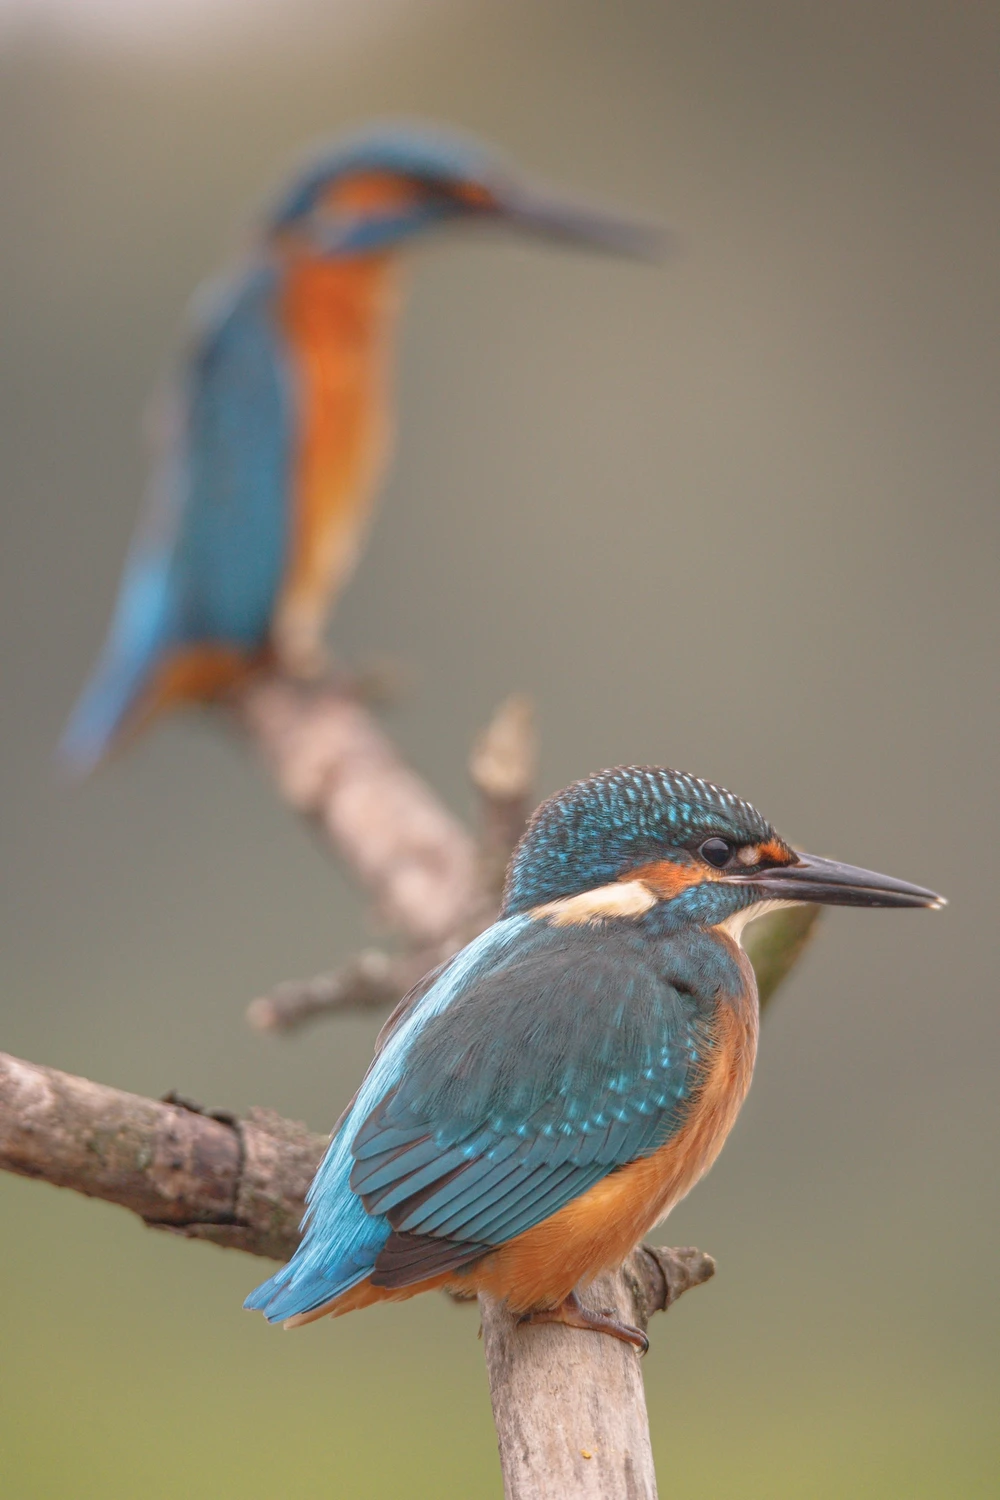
(733, 926)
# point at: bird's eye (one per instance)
(717, 852)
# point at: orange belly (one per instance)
(597, 1231)
(337, 318)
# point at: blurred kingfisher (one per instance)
(539, 1103)
(279, 422)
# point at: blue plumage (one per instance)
(207, 564)
(234, 474)
(342, 1241)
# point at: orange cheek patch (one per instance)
(372, 191)
(774, 852)
(667, 880)
(475, 195)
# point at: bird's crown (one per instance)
(617, 821)
(419, 153)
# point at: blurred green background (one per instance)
(737, 514)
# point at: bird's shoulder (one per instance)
(540, 1021)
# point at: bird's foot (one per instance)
(573, 1314)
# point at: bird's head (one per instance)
(374, 192)
(638, 838)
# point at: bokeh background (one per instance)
(737, 514)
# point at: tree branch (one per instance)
(335, 766)
(372, 980)
(569, 1407)
(502, 768)
(239, 1183)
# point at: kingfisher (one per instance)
(279, 420)
(537, 1104)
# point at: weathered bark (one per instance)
(371, 980)
(569, 1406)
(239, 1183)
(332, 762)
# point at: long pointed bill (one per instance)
(555, 219)
(834, 884)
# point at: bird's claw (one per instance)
(572, 1314)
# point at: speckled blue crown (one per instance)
(597, 829)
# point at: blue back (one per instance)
(208, 560)
(234, 471)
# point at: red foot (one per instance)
(573, 1314)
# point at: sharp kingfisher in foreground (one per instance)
(537, 1104)
(279, 425)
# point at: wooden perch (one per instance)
(569, 1407)
(240, 1183)
(335, 766)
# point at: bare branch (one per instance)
(334, 765)
(569, 1407)
(502, 767)
(239, 1183)
(373, 980)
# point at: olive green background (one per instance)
(737, 514)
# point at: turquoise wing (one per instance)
(207, 563)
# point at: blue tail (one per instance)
(301, 1288)
(339, 1247)
(138, 637)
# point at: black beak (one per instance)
(552, 218)
(834, 884)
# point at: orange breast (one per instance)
(337, 317)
